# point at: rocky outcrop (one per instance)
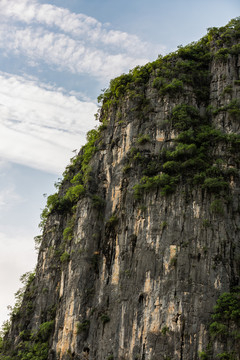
(143, 235)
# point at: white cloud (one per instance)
(16, 257)
(78, 25)
(39, 124)
(75, 42)
(65, 52)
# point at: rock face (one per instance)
(143, 236)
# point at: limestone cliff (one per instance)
(142, 239)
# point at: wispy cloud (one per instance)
(65, 52)
(75, 42)
(78, 25)
(39, 124)
(8, 196)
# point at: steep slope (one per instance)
(142, 237)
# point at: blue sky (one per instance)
(55, 57)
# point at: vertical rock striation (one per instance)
(143, 236)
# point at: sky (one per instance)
(55, 59)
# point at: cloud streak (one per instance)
(39, 124)
(75, 42)
(65, 52)
(78, 25)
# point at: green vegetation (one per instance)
(206, 223)
(225, 325)
(227, 356)
(98, 202)
(203, 355)
(185, 117)
(164, 330)
(83, 327)
(111, 224)
(112, 221)
(104, 318)
(227, 90)
(226, 317)
(233, 108)
(33, 346)
(166, 182)
(224, 35)
(193, 158)
(217, 207)
(65, 257)
(44, 331)
(28, 291)
(222, 54)
(77, 175)
(68, 231)
(74, 192)
(126, 84)
(188, 66)
(143, 139)
(215, 185)
(163, 225)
